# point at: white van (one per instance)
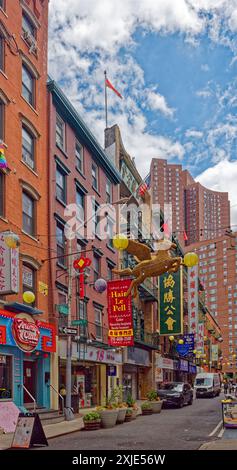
(207, 385)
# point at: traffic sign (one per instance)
(68, 331)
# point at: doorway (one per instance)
(29, 380)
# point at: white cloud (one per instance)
(205, 67)
(223, 177)
(157, 102)
(194, 133)
(203, 93)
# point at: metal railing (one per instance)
(146, 338)
(28, 393)
(60, 396)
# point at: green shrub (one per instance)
(146, 406)
(91, 416)
(130, 400)
(152, 395)
(129, 411)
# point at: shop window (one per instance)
(98, 324)
(79, 157)
(28, 204)
(29, 280)
(60, 132)
(5, 377)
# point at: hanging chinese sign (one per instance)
(120, 313)
(214, 352)
(9, 268)
(193, 300)
(200, 338)
(171, 304)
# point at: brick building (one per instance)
(79, 170)
(23, 185)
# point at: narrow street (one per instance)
(174, 429)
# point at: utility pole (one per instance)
(68, 410)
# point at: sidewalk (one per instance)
(51, 430)
(228, 441)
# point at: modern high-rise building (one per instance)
(218, 274)
(198, 213)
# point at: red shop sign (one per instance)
(26, 332)
(120, 313)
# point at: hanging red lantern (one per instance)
(46, 355)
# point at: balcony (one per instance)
(148, 290)
(150, 340)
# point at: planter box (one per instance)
(156, 406)
(146, 412)
(134, 414)
(108, 418)
(92, 425)
(121, 415)
(128, 418)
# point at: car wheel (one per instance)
(181, 403)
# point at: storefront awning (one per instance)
(17, 307)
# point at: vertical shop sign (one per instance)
(193, 300)
(120, 313)
(171, 304)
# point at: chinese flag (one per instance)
(109, 85)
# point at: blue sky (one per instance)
(175, 63)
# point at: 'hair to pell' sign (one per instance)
(120, 313)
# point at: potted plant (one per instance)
(92, 421)
(131, 403)
(128, 415)
(146, 408)
(122, 408)
(155, 401)
(109, 413)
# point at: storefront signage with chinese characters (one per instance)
(200, 338)
(120, 313)
(183, 365)
(9, 268)
(214, 352)
(171, 304)
(193, 300)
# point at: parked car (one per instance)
(207, 385)
(176, 393)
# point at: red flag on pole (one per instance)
(109, 85)
(185, 236)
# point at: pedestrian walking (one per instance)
(226, 386)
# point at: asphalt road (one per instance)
(173, 429)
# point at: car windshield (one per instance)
(204, 381)
(174, 387)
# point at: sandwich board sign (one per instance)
(28, 432)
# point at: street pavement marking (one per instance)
(216, 429)
(221, 432)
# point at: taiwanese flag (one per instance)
(109, 85)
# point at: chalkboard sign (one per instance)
(29, 432)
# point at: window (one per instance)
(28, 204)
(1, 194)
(109, 271)
(2, 50)
(108, 192)
(82, 314)
(2, 4)
(96, 266)
(95, 217)
(1, 120)
(60, 239)
(28, 85)
(28, 148)
(60, 132)
(6, 387)
(28, 27)
(61, 191)
(28, 280)
(62, 301)
(98, 324)
(80, 201)
(110, 231)
(79, 157)
(95, 176)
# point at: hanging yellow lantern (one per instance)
(171, 338)
(194, 351)
(120, 241)
(233, 355)
(12, 240)
(223, 363)
(28, 297)
(228, 363)
(190, 259)
(181, 341)
(204, 360)
(205, 338)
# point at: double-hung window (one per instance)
(28, 204)
(28, 85)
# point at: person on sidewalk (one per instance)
(226, 387)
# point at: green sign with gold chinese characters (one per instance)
(171, 303)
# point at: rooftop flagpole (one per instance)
(106, 103)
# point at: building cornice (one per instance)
(83, 133)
